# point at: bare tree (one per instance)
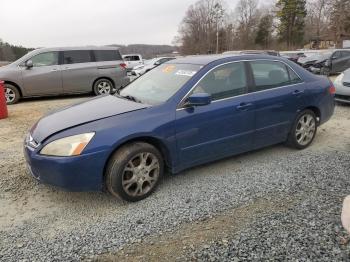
(248, 19)
(340, 20)
(198, 30)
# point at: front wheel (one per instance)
(303, 130)
(134, 171)
(103, 86)
(12, 94)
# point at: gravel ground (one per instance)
(276, 203)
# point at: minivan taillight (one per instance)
(123, 65)
(332, 89)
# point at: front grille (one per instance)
(346, 84)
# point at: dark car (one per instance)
(332, 62)
(309, 59)
(292, 56)
(184, 113)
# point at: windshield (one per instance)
(158, 85)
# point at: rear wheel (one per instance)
(304, 130)
(103, 86)
(134, 171)
(12, 94)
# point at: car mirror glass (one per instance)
(29, 64)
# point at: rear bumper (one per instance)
(79, 173)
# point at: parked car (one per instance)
(342, 87)
(132, 60)
(149, 65)
(309, 59)
(332, 62)
(292, 55)
(57, 71)
(183, 113)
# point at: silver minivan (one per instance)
(56, 71)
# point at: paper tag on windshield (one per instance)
(169, 69)
(185, 73)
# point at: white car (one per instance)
(149, 65)
(132, 60)
(342, 87)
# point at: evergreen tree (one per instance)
(291, 15)
(263, 34)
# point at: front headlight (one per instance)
(339, 79)
(68, 146)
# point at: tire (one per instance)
(12, 94)
(103, 86)
(126, 175)
(300, 136)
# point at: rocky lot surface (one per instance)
(272, 204)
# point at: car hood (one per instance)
(346, 77)
(5, 69)
(88, 111)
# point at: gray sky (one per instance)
(44, 23)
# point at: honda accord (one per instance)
(184, 113)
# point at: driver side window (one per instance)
(45, 59)
(223, 82)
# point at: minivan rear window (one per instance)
(107, 55)
(76, 56)
(132, 58)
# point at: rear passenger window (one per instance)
(271, 74)
(76, 56)
(224, 82)
(107, 55)
(345, 53)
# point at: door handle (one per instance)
(298, 92)
(244, 106)
(54, 69)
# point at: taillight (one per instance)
(332, 89)
(123, 65)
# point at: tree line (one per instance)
(10, 52)
(210, 26)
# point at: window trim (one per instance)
(249, 72)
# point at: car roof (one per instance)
(206, 59)
(69, 48)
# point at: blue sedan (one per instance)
(184, 113)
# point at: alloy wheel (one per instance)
(104, 88)
(305, 130)
(140, 174)
(10, 95)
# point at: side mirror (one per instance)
(157, 63)
(199, 99)
(29, 64)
